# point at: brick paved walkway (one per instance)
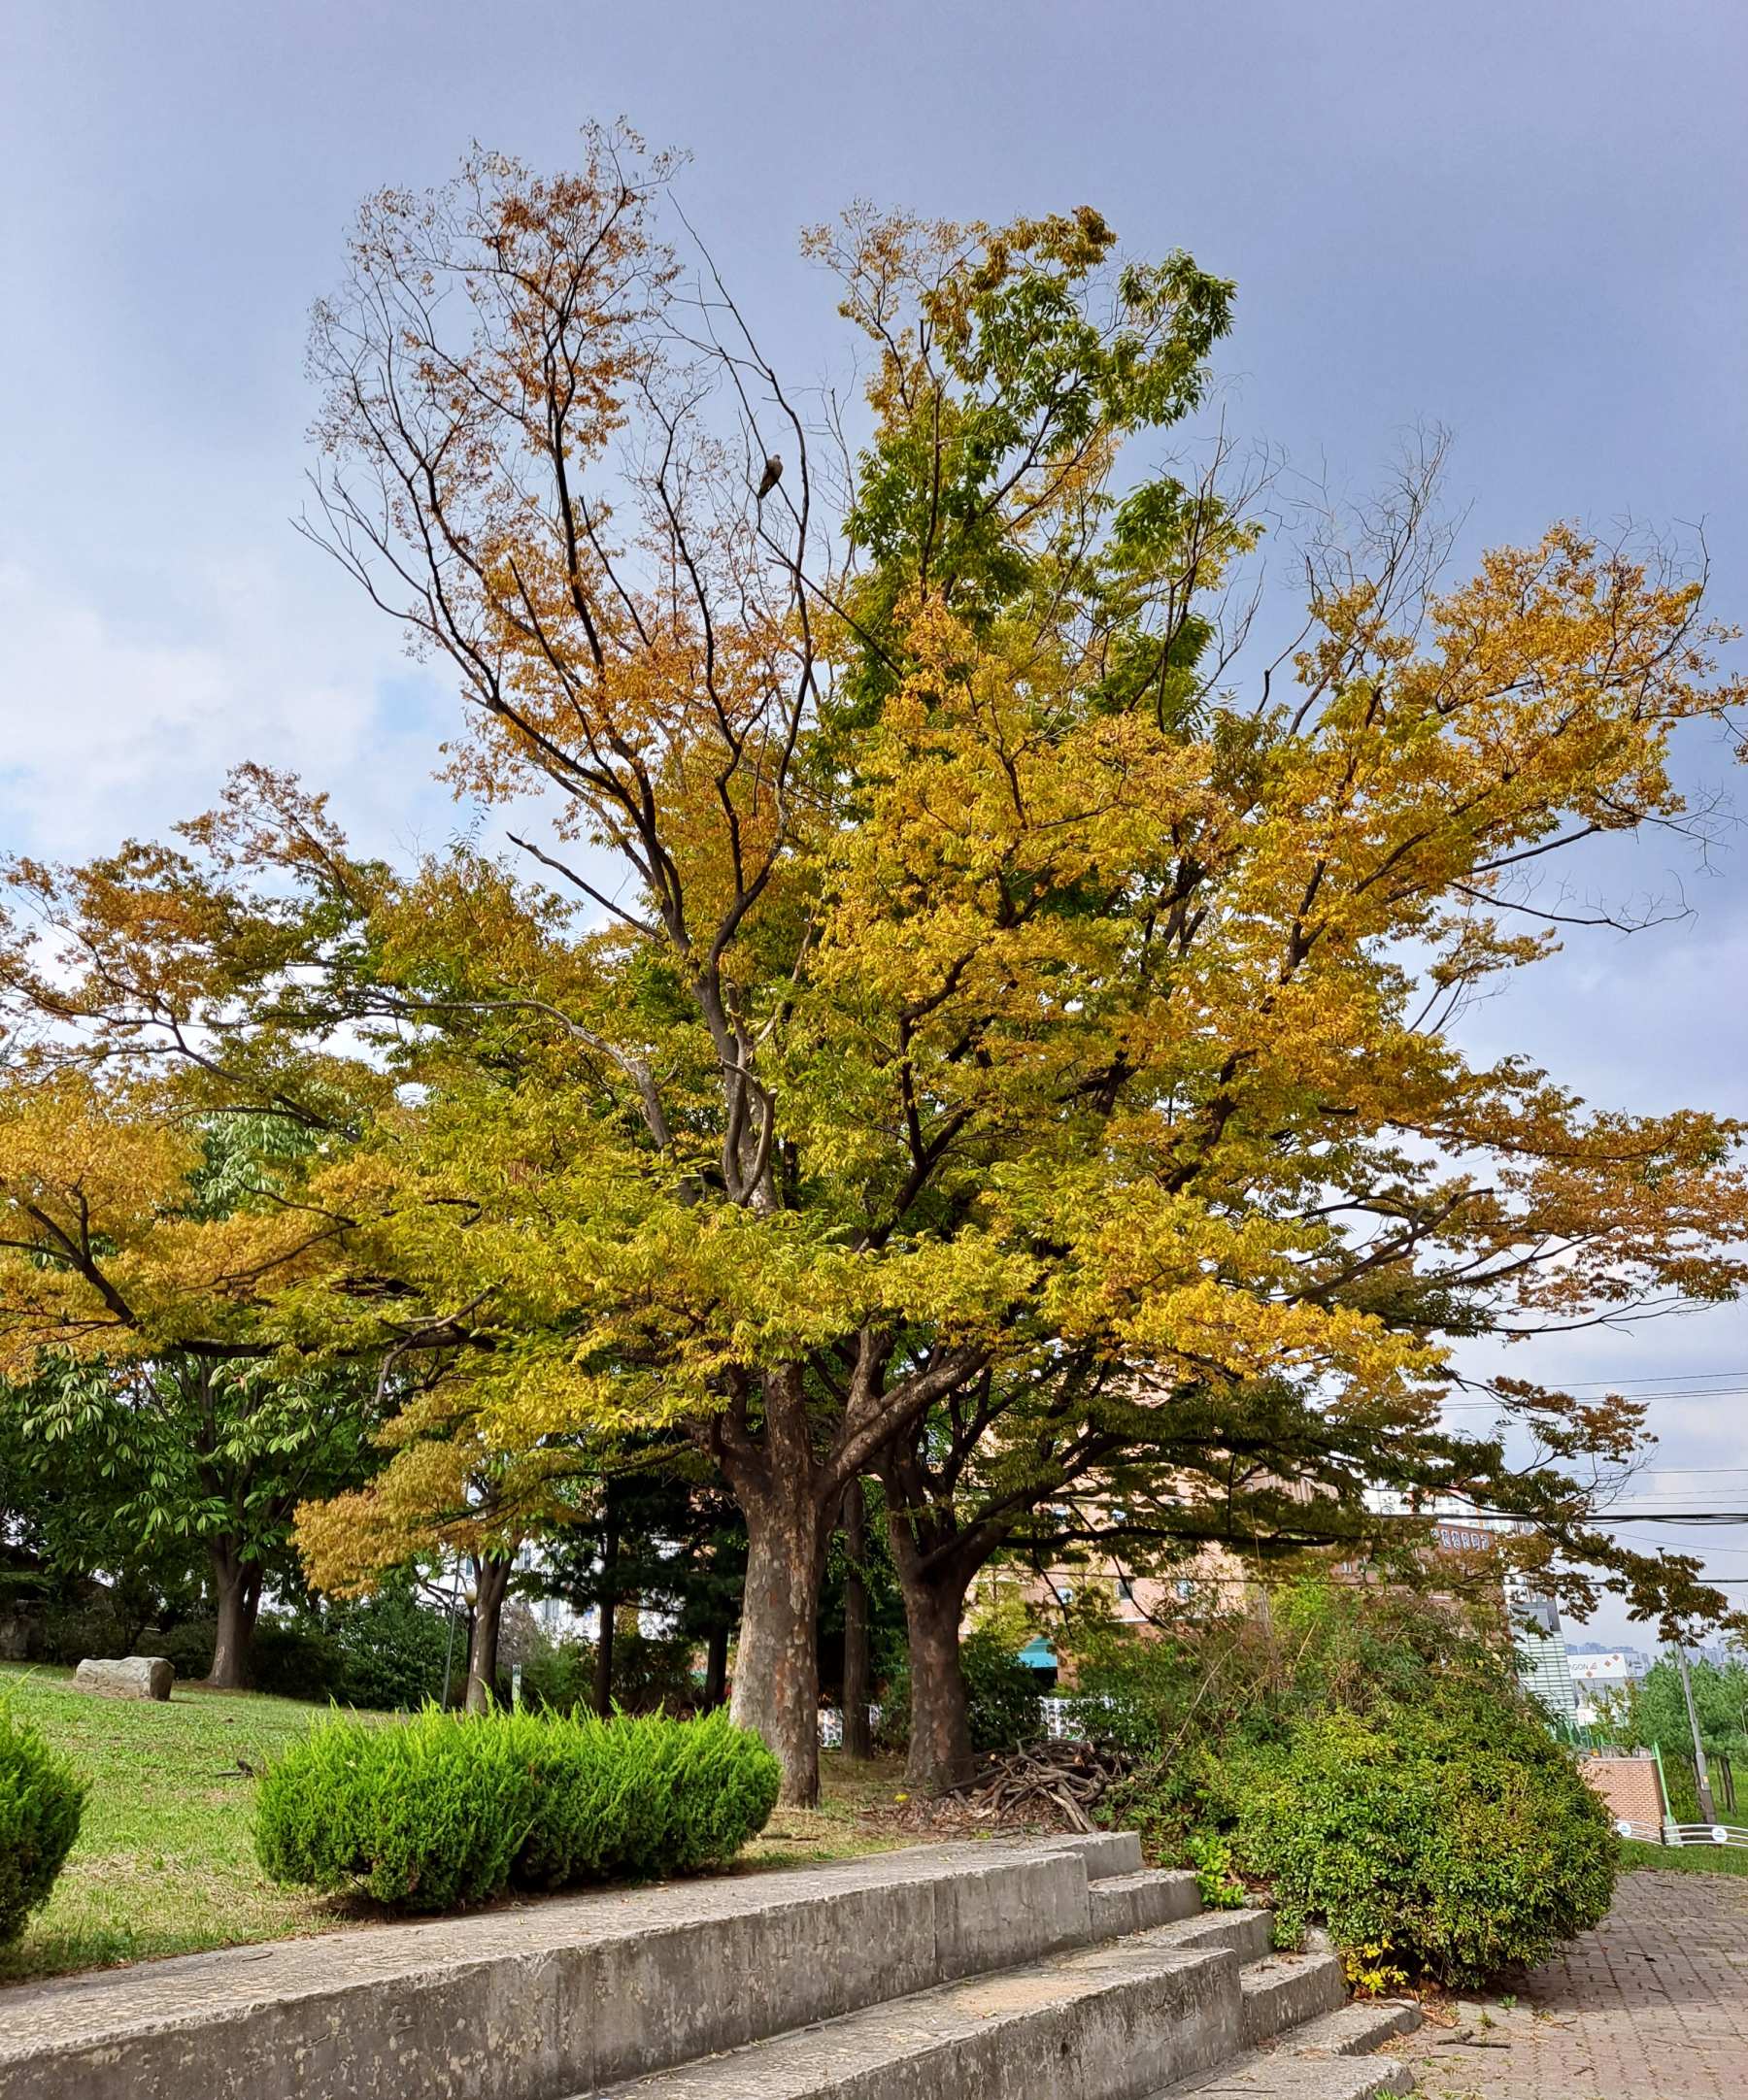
(1651, 2006)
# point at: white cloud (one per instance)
(117, 726)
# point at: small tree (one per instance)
(446, 1489)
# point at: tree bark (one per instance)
(716, 1667)
(492, 1583)
(608, 1603)
(858, 1737)
(237, 1592)
(940, 1713)
(790, 1491)
(777, 1665)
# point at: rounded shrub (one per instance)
(447, 1810)
(1454, 1839)
(41, 1799)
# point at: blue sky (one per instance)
(1520, 218)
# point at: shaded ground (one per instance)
(1651, 2006)
(165, 1859)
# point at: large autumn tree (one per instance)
(931, 972)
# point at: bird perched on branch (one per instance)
(773, 474)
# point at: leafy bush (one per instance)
(297, 1658)
(1370, 1755)
(449, 1809)
(1001, 1692)
(1453, 1838)
(41, 1799)
(559, 1676)
(392, 1649)
(189, 1646)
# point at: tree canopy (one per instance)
(926, 962)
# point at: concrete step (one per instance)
(1249, 1934)
(1137, 1902)
(1285, 1990)
(1355, 2029)
(1104, 1853)
(538, 2000)
(1112, 2022)
(1274, 2075)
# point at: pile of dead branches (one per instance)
(1055, 1783)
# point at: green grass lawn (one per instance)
(165, 1859)
(1685, 1858)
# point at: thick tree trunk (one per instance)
(940, 1718)
(492, 1583)
(777, 1665)
(237, 1592)
(858, 1738)
(716, 1668)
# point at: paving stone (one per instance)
(1651, 2006)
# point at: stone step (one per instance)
(1137, 1902)
(1285, 1990)
(1112, 2022)
(1355, 2029)
(1277, 2075)
(537, 2000)
(1249, 1934)
(1105, 1854)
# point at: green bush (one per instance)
(295, 1658)
(393, 1650)
(41, 1799)
(1001, 1693)
(1454, 1838)
(447, 1809)
(187, 1645)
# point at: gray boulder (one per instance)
(127, 1676)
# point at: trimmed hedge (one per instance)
(41, 1799)
(449, 1809)
(1453, 1839)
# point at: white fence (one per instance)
(1704, 1834)
(1061, 1717)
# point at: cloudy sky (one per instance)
(1519, 219)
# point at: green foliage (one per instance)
(1654, 1712)
(1216, 1882)
(1001, 1696)
(1001, 1693)
(41, 1799)
(189, 1646)
(1683, 1858)
(382, 1652)
(449, 1810)
(1240, 1678)
(1371, 1758)
(1454, 1838)
(391, 1649)
(650, 1675)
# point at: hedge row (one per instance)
(40, 1802)
(451, 1810)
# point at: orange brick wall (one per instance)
(1629, 1786)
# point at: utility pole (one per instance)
(1707, 1814)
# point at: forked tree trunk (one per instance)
(237, 1592)
(858, 1740)
(777, 1665)
(492, 1583)
(940, 1715)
